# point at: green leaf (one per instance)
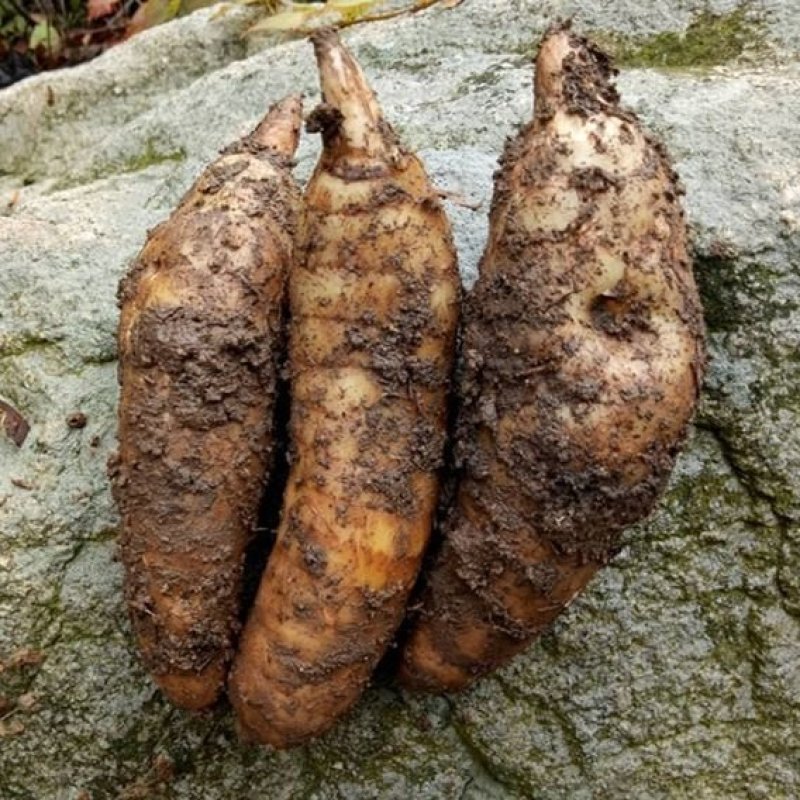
(187, 6)
(45, 35)
(289, 20)
(350, 5)
(350, 10)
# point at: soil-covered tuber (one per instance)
(582, 360)
(199, 347)
(374, 307)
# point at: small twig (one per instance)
(458, 199)
(419, 5)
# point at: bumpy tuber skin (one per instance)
(199, 342)
(582, 360)
(374, 307)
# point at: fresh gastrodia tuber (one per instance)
(199, 347)
(374, 308)
(582, 360)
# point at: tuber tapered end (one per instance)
(349, 101)
(194, 691)
(341, 79)
(280, 128)
(572, 73)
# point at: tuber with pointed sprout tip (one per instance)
(582, 360)
(199, 343)
(374, 306)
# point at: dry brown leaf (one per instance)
(96, 9)
(10, 727)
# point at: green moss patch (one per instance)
(709, 41)
(150, 156)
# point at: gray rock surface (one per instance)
(677, 675)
